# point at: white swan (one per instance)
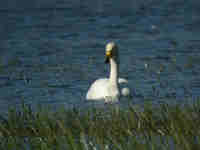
(109, 89)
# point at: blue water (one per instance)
(50, 52)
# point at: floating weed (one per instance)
(1, 67)
(14, 62)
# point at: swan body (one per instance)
(109, 89)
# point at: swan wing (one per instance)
(98, 90)
(122, 80)
(124, 88)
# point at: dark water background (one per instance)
(51, 51)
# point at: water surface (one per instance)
(51, 52)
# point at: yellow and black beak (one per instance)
(108, 56)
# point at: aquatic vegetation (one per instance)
(153, 127)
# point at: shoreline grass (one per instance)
(162, 127)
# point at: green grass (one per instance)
(162, 127)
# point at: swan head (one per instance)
(111, 52)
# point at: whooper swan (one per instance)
(109, 89)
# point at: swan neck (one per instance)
(113, 72)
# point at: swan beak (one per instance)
(108, 56)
